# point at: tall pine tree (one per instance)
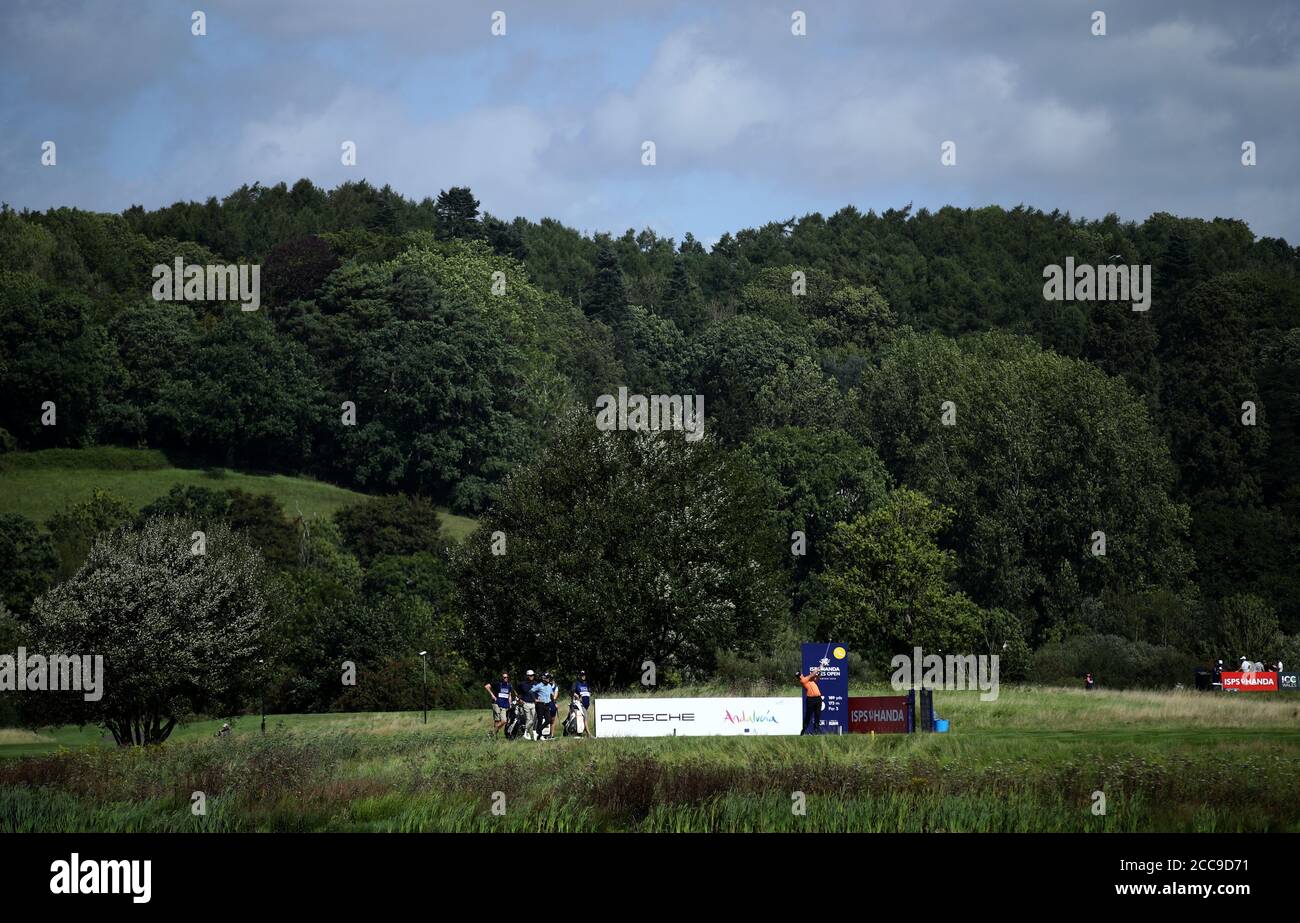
(457, 213)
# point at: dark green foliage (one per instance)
(261, 520)
(1123, 421)
(457, 212)
(1043, 452)
(199, 505)
(76, 528)
(621, 548)
(391, 526)
(28, 562)
(1114, 662)
(819, 479)
(422, 575)
(683, 304)
(886, 585)
(51, 352)
(295, 269)
(730, 363)
(249, 398)
(607, 299)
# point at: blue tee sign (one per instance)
(832, 660)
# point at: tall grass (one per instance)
(389, 773)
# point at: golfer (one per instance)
(542, 706)
(554, 703)
(812, 701)
(500, 695)
(527, 697)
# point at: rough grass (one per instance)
(38, 484)
(12, 737)
(1031, 761)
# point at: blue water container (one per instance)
(941, 725)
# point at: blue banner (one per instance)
(832, 662)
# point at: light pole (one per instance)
(424, 683)
(261, 687)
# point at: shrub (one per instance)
(1113, 661)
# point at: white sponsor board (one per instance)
(655, 717)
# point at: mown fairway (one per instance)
(1030, 761)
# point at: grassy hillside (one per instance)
(37, 484)
(1030, 761)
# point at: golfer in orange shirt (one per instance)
(812, 701)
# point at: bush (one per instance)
(778, 668)
(100, 458)
(1113, 661)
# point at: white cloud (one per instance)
(690, 102)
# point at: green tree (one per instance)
(177, 630)
(200, 505)
(398, 525)
(683, 303)
(296, 269)
(28, 562)
(1248, 626)
(50, 353)
(456, 388)
(820, 479)
(620, 548)
(732, 360)
(250, 398)
(651, 348)
(801, 395)
(76, 527)
(1042, 452)
(457, 212)
(260, 519)
(607, 299)
(885, 587)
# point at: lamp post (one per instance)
(424, 683)
(261, 686)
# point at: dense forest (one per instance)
(906, 443)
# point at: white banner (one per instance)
(655, 717)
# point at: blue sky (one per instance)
(751, 123)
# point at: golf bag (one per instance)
(575, 723)
(516, 721)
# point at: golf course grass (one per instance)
(39, 484)
(1037, 759)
